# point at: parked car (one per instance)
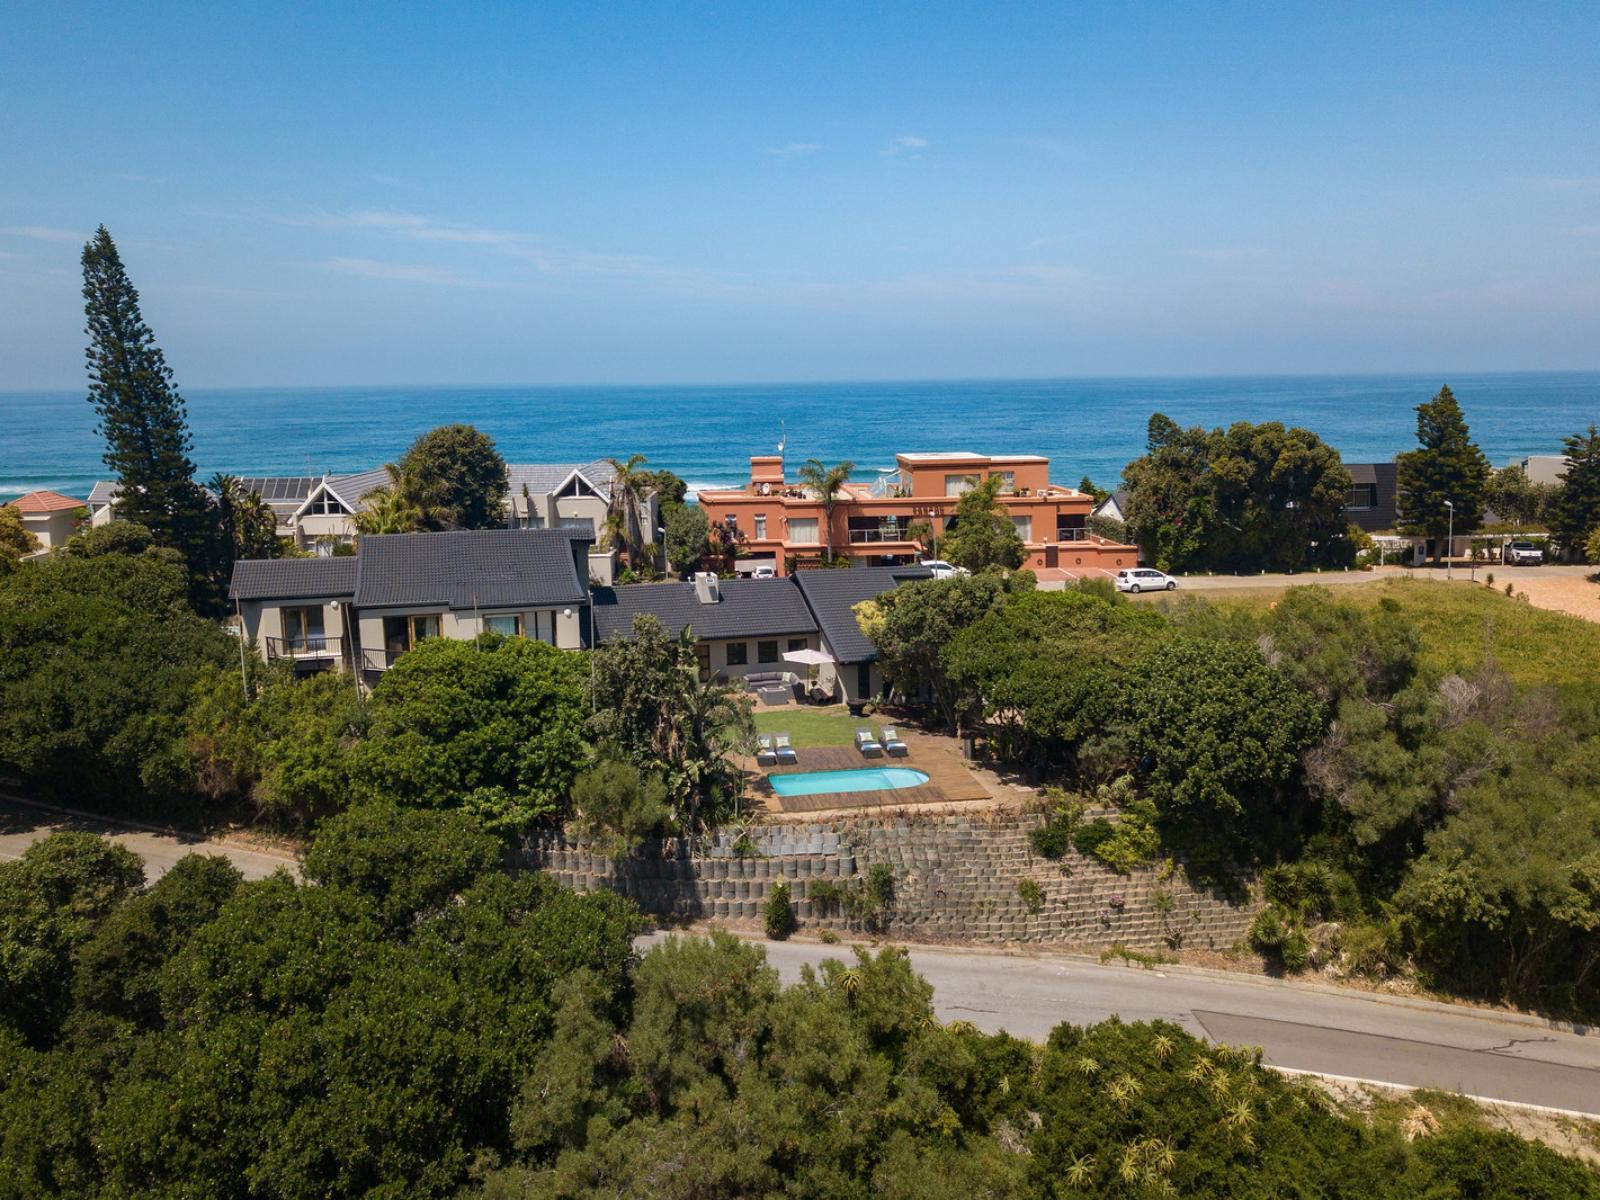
(1523, 554)
(764, 573)
(942, 569)
(1145, 579)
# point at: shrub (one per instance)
(1032, 895)
(1086, 839)
(779, 914)
(828, 937)
(880, 886)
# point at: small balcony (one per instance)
(880, 534)
(378, 659)
(306, 648)
(1073, 534)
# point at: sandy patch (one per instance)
(1575, 596)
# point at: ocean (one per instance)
(707, 433)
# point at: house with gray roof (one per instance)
(365, 610)
(318, 512)
(832, 596)
(742, 627)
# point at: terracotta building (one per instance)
(779, 524)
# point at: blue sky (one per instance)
(686, 192)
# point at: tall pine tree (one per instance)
(1575, 511)
(1447, 465)
(143, 420)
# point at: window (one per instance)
(1008, 480)
(803, 531)
(702, 655)
(302, 629)
(797, 644)
(738, 654)
(767, 652)
(1363, 495)
(508, 626)
(1024, 527)
(402, 633)
(959, 485)
(531, 521)
(326, 504)
(761, 526)
(584, 523)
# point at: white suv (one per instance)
(1523, 554)
(1145, 579)
(942, 569)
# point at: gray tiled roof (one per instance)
(832, 594)
(351, 488)
(542, 478)
(292, 578)
(482, 568)
(105, 491)
(749, 608)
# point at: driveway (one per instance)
(21, 825)
(1302, 1027)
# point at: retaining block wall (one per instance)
(956, 880)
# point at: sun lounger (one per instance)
(784, 750)
(868, 744)
(766, 755)
(892, 744)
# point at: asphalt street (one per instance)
(1327, 1030)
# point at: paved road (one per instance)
(22, 825)
(1462, 573)
(1323, 1030)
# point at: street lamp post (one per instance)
(1450, 540)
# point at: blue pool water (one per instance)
(861, 779)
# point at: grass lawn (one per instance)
(807, 726)
(1459, 621)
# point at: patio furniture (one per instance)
(782, 748)
(892, 744)
(868, 744)
(766, 755)
(775, 695)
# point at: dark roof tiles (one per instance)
(833, 594)
(748, 608)
(482, 568)
(293, 579)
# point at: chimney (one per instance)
(705, 587)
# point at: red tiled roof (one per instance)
(42, 502)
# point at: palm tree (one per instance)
(826, 482)
(404, 505)
(628, 486)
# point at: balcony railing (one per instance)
(378, 658)
(1073, 535)
(310, 646)
(882, 533)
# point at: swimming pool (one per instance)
(859, 779)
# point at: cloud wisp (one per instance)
(907, 145)
(794, 149)
(391, 272)
(43, 233)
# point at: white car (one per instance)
(1523, 554)
(1145, 579)
(764, 573)
(942, 569)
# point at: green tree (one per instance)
(914, 624)
(1087, 486)
(629, 485)
(406, 504)
(981, 536)
(1515, 499)
(462, 475)
(1249, 497)
(1575, 508)
(688, 534)
(16, 539)
(493, 725)
(249, 526)
(652, 708)
(144, 421)
(286, 749)
(616, 806)
(1222, 733)
(98, 659)
(51, 901)
(825, 483)
(1447, 465)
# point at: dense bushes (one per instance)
(213, 1037)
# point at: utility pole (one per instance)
(1450, 540)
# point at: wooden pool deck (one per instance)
(948, 777)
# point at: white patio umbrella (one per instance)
(811, 658)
